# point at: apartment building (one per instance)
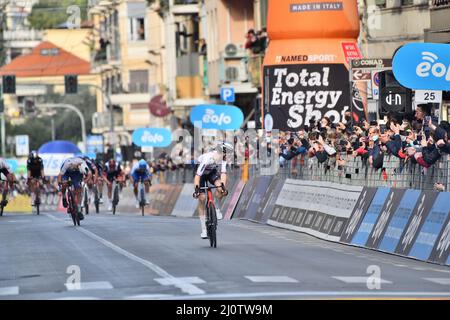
(125, 34)
(18, 38)
(389, 24)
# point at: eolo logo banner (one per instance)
(423, 66)
(218, 117)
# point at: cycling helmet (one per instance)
(224, 146)
(84, 169)
(33, 154)
(142, 164)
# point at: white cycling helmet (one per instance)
(224, 146)
(84, 169)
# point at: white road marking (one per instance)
(185, 287)
(186, 282)
(77, 298)
(98, 285)
(443, 281)
(358, 280)
(148, 296)
(308, 294)
(9, 291)
(280, 279)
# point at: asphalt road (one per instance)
(135, 257)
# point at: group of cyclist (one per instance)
(211, 167)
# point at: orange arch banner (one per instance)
(306, 67)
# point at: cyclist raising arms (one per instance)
(74, 169)
(112, 172)
(35, 168)
(208, 171)
(141, 171)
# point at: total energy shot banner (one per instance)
(306, 67)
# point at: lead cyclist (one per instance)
(210, 164)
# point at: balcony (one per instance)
(185, 7)
(233, 73)
(101, 121)
(134, 93)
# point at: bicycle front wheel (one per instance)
(212, 226)
(86, 201)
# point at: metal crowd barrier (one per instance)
(356, 171)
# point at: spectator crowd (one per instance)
(419, 139)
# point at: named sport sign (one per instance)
(218, 117)
(423, 66)
(152, 137)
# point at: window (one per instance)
(136, 21)
(138, 81)
(137, 29)
(50, 52)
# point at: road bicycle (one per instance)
(37, 195)
(5, 188)
(85, 197)
(141, 196)
(115, 195)
(96, 199)
(72, 205)
(211, 214)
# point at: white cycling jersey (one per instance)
(72, 164)
(4, 165)
(208, 163)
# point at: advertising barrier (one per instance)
(317, 208)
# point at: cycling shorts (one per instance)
(137, 175)
(211, 177)
(75, 176)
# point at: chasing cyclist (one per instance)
(74, 169)
(10, 177)
(35, 168)
(208, 171)
(113, 171)
(141, 171)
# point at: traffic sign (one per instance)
(428, 96)
(22, 145)
(375, 84)
(227, 94)
(361, 75)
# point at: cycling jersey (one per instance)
(140, 174)
(71, 170)
(208, 163)
(35, 166)
(72, 165)
(91, 164)
(4, 167)
(112, 174)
